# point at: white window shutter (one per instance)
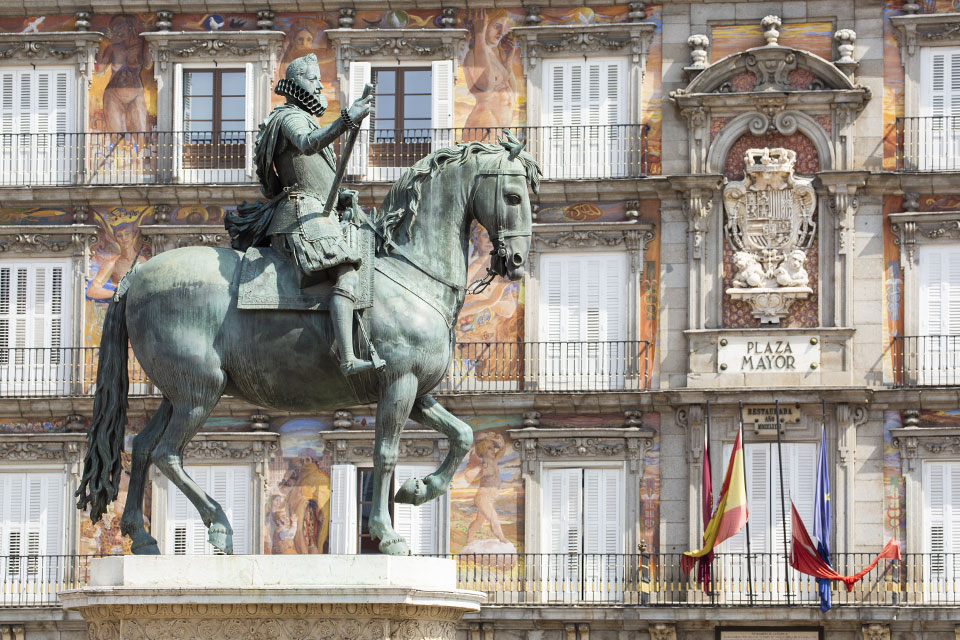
(931, 290)
(250, 124)
(343, 518)
(951, 293)
(602, 507)
(178, 125)
(418, 525)
(934, 494)
(551, 300)
(563, 502)
(360, 74)
(442, 103)
(240, 517)
(53, 524)
(759, 495)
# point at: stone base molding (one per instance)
(265, 621)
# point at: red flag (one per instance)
(805, 559)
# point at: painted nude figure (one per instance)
(483, 470)
(489, 69)
(124, 104)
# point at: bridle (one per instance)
(500, 232)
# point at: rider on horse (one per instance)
(296, 168)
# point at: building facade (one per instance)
(749, 213)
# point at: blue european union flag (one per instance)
(821, 519)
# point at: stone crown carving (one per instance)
(627, 443)
(538, 42)
(397, 44)
(769, 223)
(262, 46)
(634, 237)
(46, 239)
(913, 227)
(78, 47)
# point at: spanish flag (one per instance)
(731, 512)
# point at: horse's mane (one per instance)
(403, 200)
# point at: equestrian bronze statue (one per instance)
(296, 316)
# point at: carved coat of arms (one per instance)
(769, 222)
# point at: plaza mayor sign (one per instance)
(770, 226)
(767, 354)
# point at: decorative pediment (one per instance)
(60, 447)
(397, 44)
(39, 240)
(913, 227)
(249, 446)
(631, 236)
(631, 38)
(925, 29)
(926, 443)
(630, 443)
(355, 446)
(52, 47)
(163, 237)
(262, 46)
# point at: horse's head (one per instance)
(501, 203)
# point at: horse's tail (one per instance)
(102, 465)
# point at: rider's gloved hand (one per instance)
(347, 201)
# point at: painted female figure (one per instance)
(124, 103)
(489, 69)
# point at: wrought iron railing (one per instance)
(929, 143)
(602, 580)
(37, 580)
(926, 361)
(381, 155)
(478, 367)
(509, 367)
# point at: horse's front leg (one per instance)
(430, 413)
(393, 409)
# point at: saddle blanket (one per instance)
(268, 280)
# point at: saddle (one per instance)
(269, 281)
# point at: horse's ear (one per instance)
(511, 144)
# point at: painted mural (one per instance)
(31, 216)
(894, 490)
(815, 37)
(892, 292)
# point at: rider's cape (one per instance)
(248, 225)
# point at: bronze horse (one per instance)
(179, 310)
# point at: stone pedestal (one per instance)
(271, 598)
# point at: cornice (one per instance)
(176, 46)
(925, 29)
(630, 444)
(348, 445)
(78, 47)
(163, 237)
(248, 446)
(47, 447)
(635, 237)
(74, 239)
(925, 227)
(926, 442)
(396, 44)
(536, 43)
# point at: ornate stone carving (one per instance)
(770, 24)
(663, 631)
(416, 448)
(397, 44)
(533, 17)
(909, 228)
(213, 449)
(259, 421)
(538, 42)
(876, 631)
(637, 11)
(448, 17)
(697, 204)
(769, 223)
(636, 241)
(164, 20)
(19, 451)
(771, 68)
(265, 19)
(342, 419)
(347, 17)
(580, 447)
(531, 419)
(78, 47)
(167, 47)
(162, 237)
(75, 239)
(630, 444)
(846, 40)
(82, 22)
(944, 446)
(633, 419)
(698, 52)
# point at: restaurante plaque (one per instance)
(768, 354)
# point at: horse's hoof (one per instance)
(413, 491)
(394, 547)
(220, 539)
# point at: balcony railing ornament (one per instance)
(769, 224)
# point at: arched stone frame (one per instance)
(253, 448)
(626, 446)
(56, 241)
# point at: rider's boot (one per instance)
(342, 304)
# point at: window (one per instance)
(36, 120)
(34, 326)
(937, 138)
(31, 525)
(213, 110)
(585, 115)
(413, 116)
(583, 324)
(767, 535)
(582, 527)
(352, 495)
(231, 487)
(941, 527)
(937, 353)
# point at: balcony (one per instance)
(478, 367)
(601, 580)
(928, 144)
(926, 361)
(381, 155)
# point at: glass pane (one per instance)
(232, 83)
(385, 81)
(232, 108)
(416, 106)
(417, 82)
(366, 486)
(197, 83)
(385, 107)
(384, 130)
(198, 108)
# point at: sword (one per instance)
(344, 158)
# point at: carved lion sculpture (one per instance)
(749, 271)
(792, 273)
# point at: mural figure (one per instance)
(124, 103)
(483, 470)
(123, 241)
(306, 516)
(489, 70)
(281, 528)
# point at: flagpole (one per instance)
(709, 467)
(743, 461)
(783, 509)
